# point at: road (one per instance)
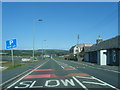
(66, 74)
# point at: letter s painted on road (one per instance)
(24, 84)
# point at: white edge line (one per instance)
(14, 77)
(105, 69)
(110, 70)
(99, 68)
(26, 75)
(80, 83)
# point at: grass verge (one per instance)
(18, 65)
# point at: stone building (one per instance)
(105, 52)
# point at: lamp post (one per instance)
(34, 41)
(43, 48)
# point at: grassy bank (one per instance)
(16, 65)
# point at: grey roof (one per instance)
(106, 44)
(84, 45)
(71, 49)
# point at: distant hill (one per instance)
(39, 52)
(53, 49)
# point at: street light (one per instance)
(34, 40)
(43, 49)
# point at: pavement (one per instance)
(107, 67)
(66, 74)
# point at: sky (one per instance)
(62, 22)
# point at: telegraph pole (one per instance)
(78, 37)
(77, 46)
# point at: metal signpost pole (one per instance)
(12, 57)
(10, 44)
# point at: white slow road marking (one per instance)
(80, 83)
(104, 82)
(48, 81)
(26, 75)
(93, 78)
(94, 83)
(101, 82)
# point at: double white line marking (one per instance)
(26, 75)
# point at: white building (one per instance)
(78, 48)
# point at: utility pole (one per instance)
(43, 49)
(77, 46)
(78, 37)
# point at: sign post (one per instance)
(10, 44)
(12, 57)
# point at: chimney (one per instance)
(99, 40)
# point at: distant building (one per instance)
(47, 56)
(78, 49)
(105, 52)
(26, 59)
(66, 57)
(1, 53)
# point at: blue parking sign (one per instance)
(11, 44)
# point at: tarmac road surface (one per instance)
(65, 74)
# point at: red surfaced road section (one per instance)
(77, 74)
(40, 76)
(44, 70)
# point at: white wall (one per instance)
(75, 48)
(25, 59)
(103, 57)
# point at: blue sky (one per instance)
(62, 22)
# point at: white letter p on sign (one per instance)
(11, 41)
